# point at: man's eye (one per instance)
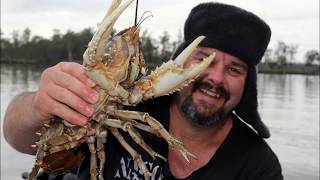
(234, 71)
(199, 55)
(197, 58)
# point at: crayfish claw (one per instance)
(173, 75)
(183, 56)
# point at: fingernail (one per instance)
(90, 110)
(83, 121)
(94, 97)
(91, 83)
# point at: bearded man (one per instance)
(216, 117)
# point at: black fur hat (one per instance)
(236, 32)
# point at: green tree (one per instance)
(292, 50)
(69, 40)
(26, 35)
(281, 53)
(6, 49)
(55, 52)
(268, 56)
(149, 48)
(166, 47)
(312, 57)
(285, 53)
(15, 38)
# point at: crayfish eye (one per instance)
(116, 52)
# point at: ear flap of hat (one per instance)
(247, 109)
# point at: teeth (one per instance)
(46, 125)
(211, 93)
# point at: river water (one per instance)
(289, 105)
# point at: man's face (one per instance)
(217, 91)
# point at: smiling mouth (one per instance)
(210, 92)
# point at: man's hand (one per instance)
(67, 92)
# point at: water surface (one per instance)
(289, 105)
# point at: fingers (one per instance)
(76, 70)
(69, 82)
(65, 91)
(70, 99)
(65, 112)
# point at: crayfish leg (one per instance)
(34, 172)
(101, 135)
(156, 125)
(135, 156)
(93, 157)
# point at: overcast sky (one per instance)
(295, 22)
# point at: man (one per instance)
(205, 116)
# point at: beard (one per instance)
(203, 114)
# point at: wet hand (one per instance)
(67, 92)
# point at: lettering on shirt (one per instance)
(130, 170)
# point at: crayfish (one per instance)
(117, 66)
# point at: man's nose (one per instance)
(216, 74)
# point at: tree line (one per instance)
(26, 48)
(285, 54)
(70, 46)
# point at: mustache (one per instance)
(211, 85)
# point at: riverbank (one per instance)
(289, 68)
(263, 68)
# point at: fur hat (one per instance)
(236, 32)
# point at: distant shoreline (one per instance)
(289, 68)
(263, 68)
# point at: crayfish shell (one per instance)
(62, 161)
